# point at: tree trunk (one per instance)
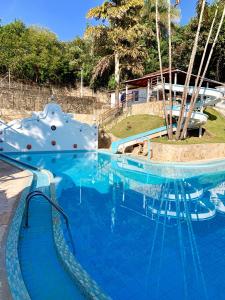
(196, 88)
(117, 79)
(170, 72)
(188, 77)
(205, 70)
(160, 63)
(9, 78)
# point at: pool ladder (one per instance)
(56, 206)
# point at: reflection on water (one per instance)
(144, 232)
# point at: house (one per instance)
(147, 88)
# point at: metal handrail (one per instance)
(56, 206)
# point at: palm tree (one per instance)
(188, 77)
(149, 11)
(160, 63)
(170, 133)
(120, 38)
(197, 90)
(163, 13)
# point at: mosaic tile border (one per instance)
(88, 287)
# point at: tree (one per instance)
(12, 48)
(188, 77)
(164, 14)
(119, 37)
(197, 90)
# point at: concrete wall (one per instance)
(49, 130)
(151, 108)
(185, 153)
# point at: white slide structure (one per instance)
(213, 96)
(197, 120)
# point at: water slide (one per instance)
(212, 96)
(121, 145)
(198, 119)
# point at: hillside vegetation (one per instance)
(125, 32)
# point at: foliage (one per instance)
(35, 54)
(120, 35)
(128, 29)
(184, 37)
(125, 27)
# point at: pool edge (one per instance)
(17, 287)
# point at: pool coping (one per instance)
(192, 163)
(16, 284)
(86, 285)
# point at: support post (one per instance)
(148, 91)
(9, 79)
(126, 95)
(175, 82)
(157, 89)
(200, 132)
(149, 149)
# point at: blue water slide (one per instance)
(138, 138)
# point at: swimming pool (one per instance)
(143, 231)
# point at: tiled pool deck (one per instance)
(12, 183)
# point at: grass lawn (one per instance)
(214, 128)
(136, 124)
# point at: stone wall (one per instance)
(186, 153)
(32, 97)
(31, 101)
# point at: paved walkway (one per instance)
(12, 182)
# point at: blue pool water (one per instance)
(142, 232)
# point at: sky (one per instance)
(66, 18)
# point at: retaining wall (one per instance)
(186, 153)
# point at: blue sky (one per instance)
(64, 17)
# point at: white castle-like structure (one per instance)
(50, 130)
